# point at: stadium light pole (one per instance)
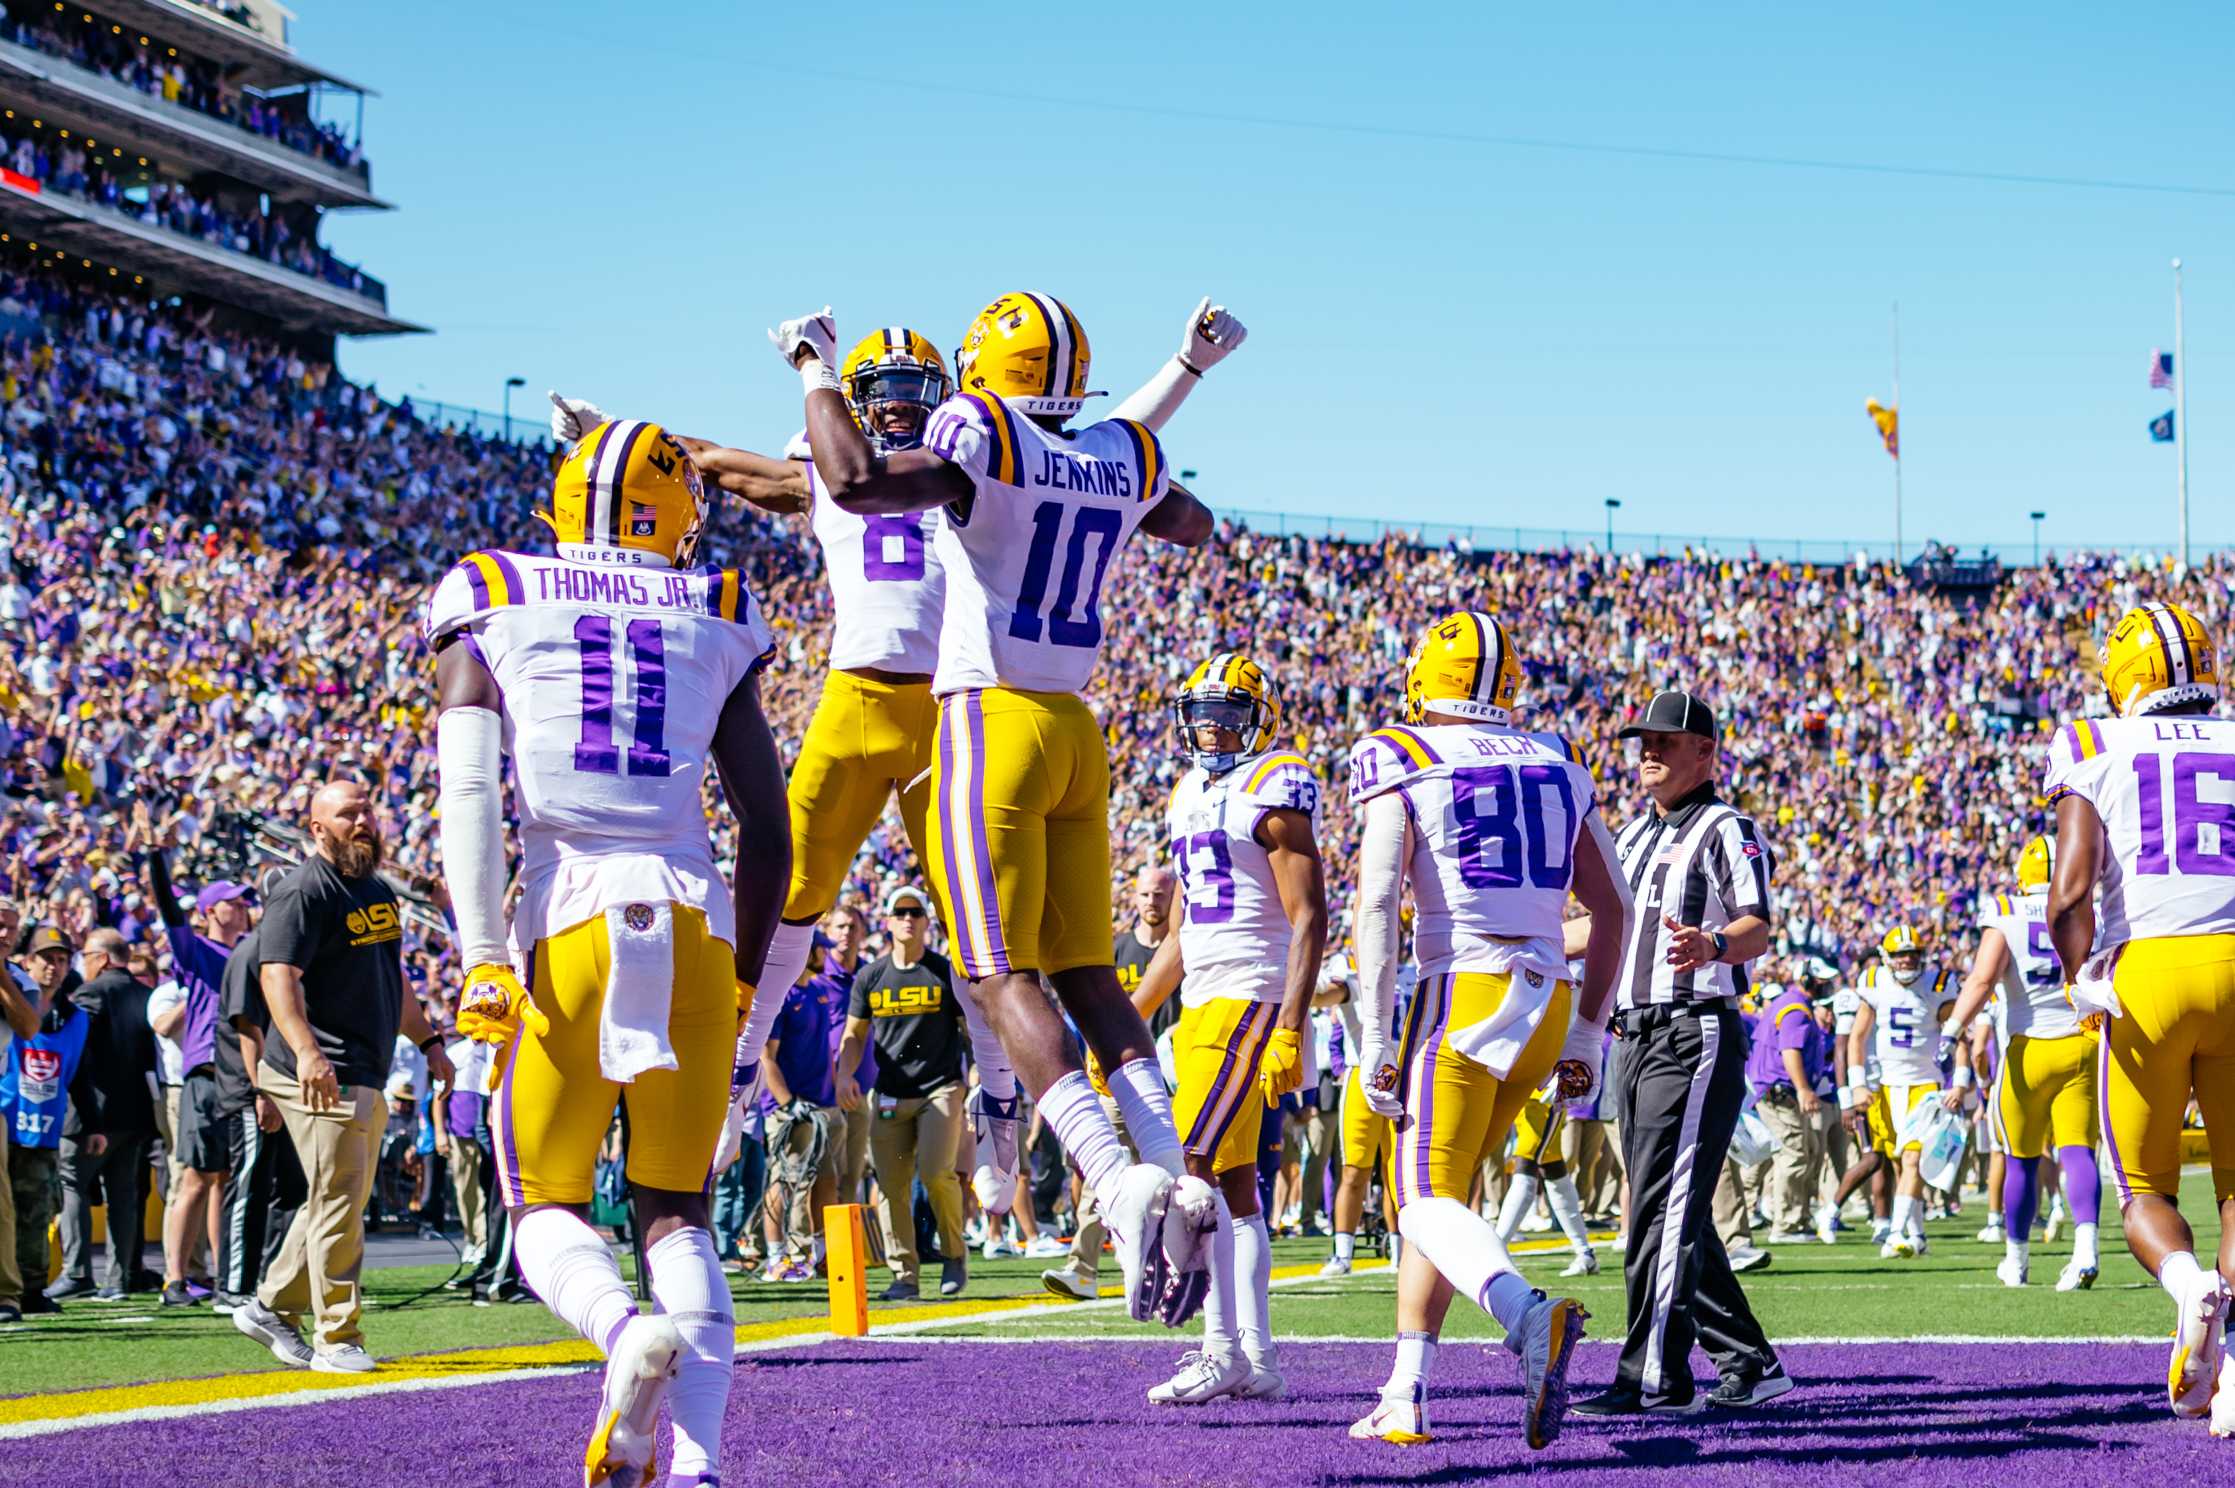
(509, 384)
(1613, 504)
(2037, 516)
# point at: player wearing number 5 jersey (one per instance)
(1492, 828)
(2145, 807)
(1035, 516)
(612, 674)
(1896, 1044)
(2044, 1090)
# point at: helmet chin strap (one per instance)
(1906, 977)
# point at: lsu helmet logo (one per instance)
(1464, 665)
(1028, 350)
(630, 489)
(2158, 656)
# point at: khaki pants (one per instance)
(850, 1148)
(1731, 1221)
(320, 1262)
(1589, 1149)
(11, 1275)
(1797, 1168)
(918, 1139)
(1086, 1245)
(466, 1187)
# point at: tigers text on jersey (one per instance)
(886, 587)
(1026, 563)
(2165, 789)
(1905, 1039)
(1495, 815)
(1233, 930)
(612, 681)
(2030, 998)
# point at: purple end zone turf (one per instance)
(909, 1413)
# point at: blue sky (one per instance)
(1442, 328)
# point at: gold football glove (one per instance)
(494, 1005)
(1281, 1068)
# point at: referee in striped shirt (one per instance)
(1699, 873)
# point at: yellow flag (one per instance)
(1888, 421)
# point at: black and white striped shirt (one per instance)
(1704, 863)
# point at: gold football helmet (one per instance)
(1229, 691)
(1029, 350)
(1900, 945)
(892, 380)
(2159, 656)
(1464, 665)
(628, 485)
(2036, 865)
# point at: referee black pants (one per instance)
(1683, 1081)
(261, 1194)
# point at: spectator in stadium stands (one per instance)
(19, 1019)
(801, 1102)
(46, 1080)
(849, 1134)
(1154, 888)
(331, 970)
(106, 1142)
(904, 1003)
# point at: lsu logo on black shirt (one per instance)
(373, 925)
(906, 1002)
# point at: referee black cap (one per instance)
(1673, 713)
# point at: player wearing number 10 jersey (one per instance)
(2145, 807)
(612, 674)
(1035, 518)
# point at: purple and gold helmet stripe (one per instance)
(1061, 341)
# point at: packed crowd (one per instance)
(158, 70)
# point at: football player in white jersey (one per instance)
(1035, 517)
(1492, 828)
(2043, 1102)
(613, 674)
(1896, 1045)
(2145, 807)
(1253, 927)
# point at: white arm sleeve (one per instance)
(1155, 401)
(1384, 848)
(469, 749)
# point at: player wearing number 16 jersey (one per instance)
(1492, 827)
(1035, 518)
(612, 674)
(2145, 807)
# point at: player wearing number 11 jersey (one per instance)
(2145, 807)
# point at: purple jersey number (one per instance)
(1099, 524)
(2191, 815)
(1901, 1027)
(1218, 877)
(2047, 970)
(878, 535)
(594, 752)
(1502, 832)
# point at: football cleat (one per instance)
(1919, 1245)
(1827, 1224)
(2077, 1276)
(1202, 1377)
(1189, 1222)
(995, 1123)
(1069, 1283)
(1586, 1263)
(1401, 1423)
(2223, 1400)
(1881, 1231)
(1265, 1383)
(1544, 1341)
(1135, 1217)
(637, 1373)
(2057, 1217)
(1336, 1266)
(2011, 1271)
(1991, 1233)
(1896, 1248)
(2199, 1340)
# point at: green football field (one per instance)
(1841, 1291)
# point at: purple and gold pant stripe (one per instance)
(965, 858)
(2103, 1118)
(1235, 1082)
(1414, 1160)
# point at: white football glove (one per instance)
(571, 418)
(1585, 1046)
(2092, 995)
(1377, 1080)
(817, 332)
(1212, 335)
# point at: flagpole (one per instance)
(1902, 420)
(2180, 408)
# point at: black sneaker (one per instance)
(1623, 1401)
(901, 1291)
(175, 1294)
(39, 1304)
(953, 1276)
(1742, 1391)
(70, 1286)
(10, 1313)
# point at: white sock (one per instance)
(2179, 1274)
(1074, 1112)
(1220, 1304)
(2084, 1245)
(2019, 1251)
(1346, 1246)
(1408, 1377)
(688, 1284)
(1253, 1288)
(1905, 1214)
(1567, 1208)
(1994, 1217)
(1459, 1242)
(996, 1075)
(574, 1273)
(1520, 1194)
(1138, 1087)
(788, 950)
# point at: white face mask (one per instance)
(1904, 977)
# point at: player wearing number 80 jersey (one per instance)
(2145, 808)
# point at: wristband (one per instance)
(1722, 944)
(1950, 1029)
(1963, 1076)
(815, 376)
(1187, 365)
(427, 1044)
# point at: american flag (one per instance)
(2161, 368)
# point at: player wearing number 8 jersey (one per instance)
(2145, 807)
(1035, 517)
(612, 674)
(1492, 828)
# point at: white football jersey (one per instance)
(1495, 815)
(2030, 998)
(1233, 931)
(2165, 789)
(1905, 1039)
(612, 680)
(1029, 563)
(886, 587)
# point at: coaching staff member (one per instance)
(1699, 873)
(331, 948)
